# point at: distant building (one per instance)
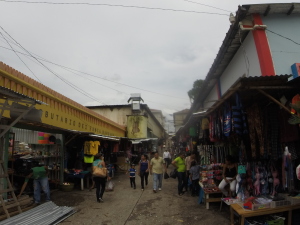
(142, 124)
(179, 118)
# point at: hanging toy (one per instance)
(257, 182)
(276, 181)
(298, 172)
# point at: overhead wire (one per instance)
(210, 6)
(283, 37)
(19, 56)
(111, 5)
(70, 70)
(62, 79)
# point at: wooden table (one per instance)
(238, 210)
(208, 198)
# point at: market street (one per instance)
(128, 206)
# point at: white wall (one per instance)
(117, 115)
(211, 98)
(237, 67)
(284, 52)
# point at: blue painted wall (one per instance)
(284, 52)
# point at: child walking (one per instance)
(132, 172)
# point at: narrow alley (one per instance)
(127, 206)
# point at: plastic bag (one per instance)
(166, 175)
(173, 174)
(109, 186)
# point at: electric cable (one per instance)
(110, 5)
(62, 79)
(122, 92)
(283, 37)
(19, 57)
(68, 68)
(246, 59)
(207, 6)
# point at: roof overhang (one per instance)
(232, 42)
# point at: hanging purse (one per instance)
(99, 172)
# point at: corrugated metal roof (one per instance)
(46, 214)
(274, 8)
(13, 95)
(232, 43)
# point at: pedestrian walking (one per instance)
(144, 170)
(132, 172)
(99, 181)
(179, 164)
(40, 181)
(188, 160)
(167, 157)
(194, 176)
(157, 168)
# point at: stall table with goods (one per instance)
(259, 206)
(210, 174)
(78, 174)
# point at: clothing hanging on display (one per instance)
(255, 123)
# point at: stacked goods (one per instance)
(43, 138)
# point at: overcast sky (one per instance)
(114, 51)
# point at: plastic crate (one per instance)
(293, 200)
(275, 204)
(276, 221)
(254, 222)
(261, 206)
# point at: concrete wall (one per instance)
(237, 67)
(284, 52)
(211, 98)
(118, 115)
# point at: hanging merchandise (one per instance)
(295, 103)
(91, 147)
(298, 172)
(227, 117)
(239, 117)
(287, 171)
(255, 130)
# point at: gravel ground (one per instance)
(133, 206)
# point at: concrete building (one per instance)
(257, 60)
(140, 124)
(179, 117)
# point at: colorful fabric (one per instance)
(255, 123)
(227, 120)
(296, 102)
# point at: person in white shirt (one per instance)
(167, 157)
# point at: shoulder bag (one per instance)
(99, 172)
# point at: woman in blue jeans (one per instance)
(179, 164)
(144, 170)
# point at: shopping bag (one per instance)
(166, 175)
(109, 186)
(99, 172)
(173, 174)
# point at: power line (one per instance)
(284, 37)
(110, 5)
(92, 80)
(19, 56)
(207, 5)
(62, 79)
(68, 68)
